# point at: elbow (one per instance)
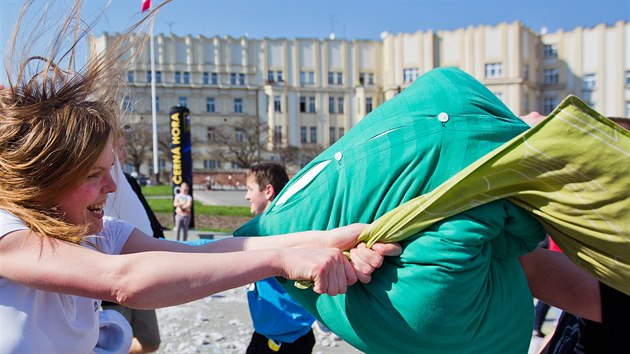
(127, 289)
(126, 294)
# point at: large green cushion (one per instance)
(458, 286)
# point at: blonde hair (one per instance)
(55, 122)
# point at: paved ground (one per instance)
(228, 198)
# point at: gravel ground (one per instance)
(220, 324)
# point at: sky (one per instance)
(348, 19)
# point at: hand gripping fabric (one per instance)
(458, 286)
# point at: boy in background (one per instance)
(281, 325)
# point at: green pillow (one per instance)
(458, 286)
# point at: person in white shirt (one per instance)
(59, 254)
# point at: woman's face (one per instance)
(85, 204)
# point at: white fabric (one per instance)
(114, 335)
(36, 321)
(124, 203)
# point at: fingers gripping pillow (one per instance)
(458, 286)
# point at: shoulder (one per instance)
(114, 235)
(10, 223)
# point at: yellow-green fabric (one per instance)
(572, 171)
(458, 286)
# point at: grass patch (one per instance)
(165, 205)
(164, 190)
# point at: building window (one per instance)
(239, 135)
(214, 79)
(277, 134)
(303, 135)
(238, 105)
(210, 105)
(494, 70)
(130, 76)
(178, 77)
(366, 79)
(335, 75)
(311, 104)
(341, 132)
(186, 77)
(206, 78)
(549, 104)
(368, 104)
(331, 105)
(232, 78)
(211, 164)
(410, 75)
(627, 80)
(302, 104)
(307, 78)
(274, 76)
(550, 76)
(333, 135)
(158, 77)
(526, 72)
(211, 134)
(126, 103)
(149, 76)
(183, 101)
(550, 51)
(277, 104)
(313, 135)
(157, 103)
(340, 105)
(589, 83)
(241, 79)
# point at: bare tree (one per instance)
(307, 154)
(288, 155)
(138, 143)
(240, 141)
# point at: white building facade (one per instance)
(306, 93)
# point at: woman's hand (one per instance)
(328, 269)
(366, 260)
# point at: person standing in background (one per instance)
(281, 325)
(183, 207)
(127, 203)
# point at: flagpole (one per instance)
(153, 110)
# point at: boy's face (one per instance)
(258, 199)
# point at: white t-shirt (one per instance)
(124, 204)
(36, 321)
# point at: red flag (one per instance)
(146, 4)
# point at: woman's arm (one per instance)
(364, 260)
(158, 279)
(555, 280)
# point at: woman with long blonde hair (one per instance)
(59, 255)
